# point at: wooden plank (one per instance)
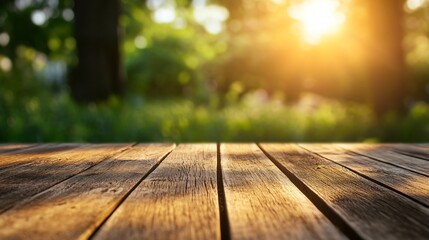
(384, 155)
(263, 203)
(178, 200)
(373, 211)
(14, 147)
(22, 181)
(40, 152)
(74, 208)
(411, 184)
(414, 150)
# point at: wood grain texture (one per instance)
(21, 181)
(415, 150)
(40, 152)
(263, 203)
(178, 200)
(383, 154)
(74, 208)
(412, 184)
(14, 147)
(375, 212)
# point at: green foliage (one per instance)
(39, 116)
(53, 36)
(167, 60)
(186, 84)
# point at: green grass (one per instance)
(48, 118)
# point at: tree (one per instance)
(268, 55)
(386, 55)
(99, 72)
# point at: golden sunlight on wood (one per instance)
(214, 191)
(318, 18)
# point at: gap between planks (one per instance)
(145, 190)
(79, 203)
(222, 200)
(21, 181)
(319, 202)
(264, 204)
(371, 209)
(178, 200)
(416, 150)
(408, 183)
(8, 148)
(383, 153)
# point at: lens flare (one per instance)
(318, 18)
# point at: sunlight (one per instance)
(212, 17)
(318, 18)
(5, 64)
(415, 4)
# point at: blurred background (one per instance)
(219, 70)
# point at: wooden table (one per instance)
(212, 191)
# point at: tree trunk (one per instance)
(386, 56)
(99, 71)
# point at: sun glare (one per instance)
(318, 18)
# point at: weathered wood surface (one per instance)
(179, 197)
(262, 202)
(414, 185)
(74, 208)
(14, 147)
(387, 155)
(21, 181)
(371, 210)
(40, 152)
(210, 191)
(414, 150)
